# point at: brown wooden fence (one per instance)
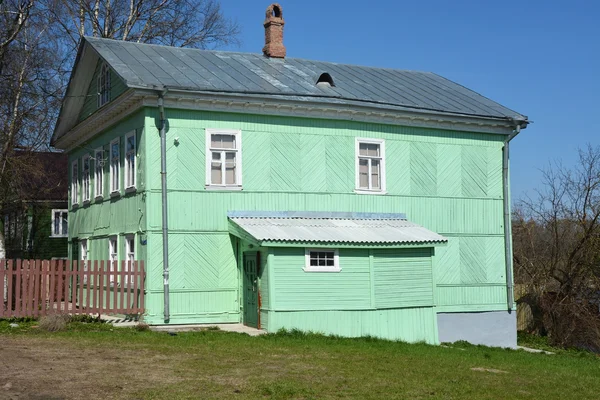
(32, 288)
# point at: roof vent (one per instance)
(325, 80)
(274, 32)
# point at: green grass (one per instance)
(293, 365)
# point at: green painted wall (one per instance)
(118, 215)
(90, 104)
(449, 182)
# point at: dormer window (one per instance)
(103, 85)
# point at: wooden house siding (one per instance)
(90, 103)
(447, 181)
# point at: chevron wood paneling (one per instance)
(474, 171)
(256, 160)
(313, 163)
(448, 262)
(473, 260)
(494, 172)
(449, 170)
(494, 257)
(398, 167)
(339, 160)
(286, 162)
(423, 168)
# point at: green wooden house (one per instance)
(287, 193)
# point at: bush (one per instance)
(142, 327)
(54, 322)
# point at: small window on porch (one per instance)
(322, 260)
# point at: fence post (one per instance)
(3, 287)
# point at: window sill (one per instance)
(367, 191)
(322, 269)
(217, 187)
(115, 194)
(58, 236)
(131, 189)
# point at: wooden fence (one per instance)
(32, 288)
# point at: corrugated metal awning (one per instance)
(284, 228)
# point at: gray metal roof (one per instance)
(339, 228)
(153, 66)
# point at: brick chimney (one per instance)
(274, 32)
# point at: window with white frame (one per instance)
(60, 224)
(115, 163)
(224, 158)
(322, 260)
(130, 154)
(113, 256)
(103, 82)
(74, 183)
(99, 172)
(370, 165)
(85, 177)
(129, 254)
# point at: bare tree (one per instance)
(557, 252)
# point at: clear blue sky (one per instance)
(540, 58)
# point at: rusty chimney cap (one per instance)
(274, 32)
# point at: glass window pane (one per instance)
(375, 181)
(216, 156)
(363, 174)
(362, 149)
(56, 223)
(230, 174)
(215, 173)
(223, 141)
(65, 224)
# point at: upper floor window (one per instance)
(74, 183)
(223, 158)
(85, 177)
(130, 153)
(99, 172)
(115, 163)
(60, 226)
(370, 165)
(103, 85)
(322, 260)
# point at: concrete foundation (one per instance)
(493, 328)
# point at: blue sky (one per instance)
(540, 58)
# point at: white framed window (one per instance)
(60, 223)
(85, 177)
(130, 155)
(370, 165)
(322, 260)
(99, 172)
(115, 164)
(103, 82)
(129, 254)
(74, 183)
(113, 256)
(223, 158)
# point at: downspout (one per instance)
(165, 218)
(510, 295)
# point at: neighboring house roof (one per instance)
(155, 67)
(332, 227)
(41, 175)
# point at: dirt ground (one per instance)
(49, 368)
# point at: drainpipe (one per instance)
(510, 295)
(165, 219)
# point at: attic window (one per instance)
(325, 80)
(103, 85)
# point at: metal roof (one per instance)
(149, 66)
(385, 229)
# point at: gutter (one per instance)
(165, 217)
(508, 256)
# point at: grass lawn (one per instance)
(90, 361)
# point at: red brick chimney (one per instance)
(274, 32)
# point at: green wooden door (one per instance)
(250, 290)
